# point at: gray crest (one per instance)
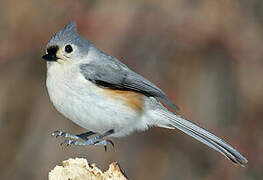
(68, 34)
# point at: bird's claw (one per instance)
(89, 142)
(58, 133)
(110, 141)
(68, 142)
(106, 142)
(63, 134)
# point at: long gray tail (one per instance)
(205, 137)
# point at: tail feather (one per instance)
(205, 137)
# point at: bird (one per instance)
(101, 94)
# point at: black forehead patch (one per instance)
(52, 49)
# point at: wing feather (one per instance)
(110, 73)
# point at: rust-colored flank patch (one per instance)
(132, 99)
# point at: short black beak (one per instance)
(50, 57)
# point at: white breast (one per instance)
(83, 102)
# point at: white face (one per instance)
(61, 53)
(66, 53)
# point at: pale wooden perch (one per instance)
(80, 169)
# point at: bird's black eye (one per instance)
(68, 48)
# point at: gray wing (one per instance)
(110, 73)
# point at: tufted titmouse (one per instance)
(99, 93)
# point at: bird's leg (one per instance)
(97, 140)
(83, 136)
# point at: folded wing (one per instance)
(110, 73)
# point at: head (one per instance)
(66, 46)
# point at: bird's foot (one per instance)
(83, 136)
(92, 141)
(64, 134)
(97, 140)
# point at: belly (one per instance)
(95, 108)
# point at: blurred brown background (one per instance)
(205, 54)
